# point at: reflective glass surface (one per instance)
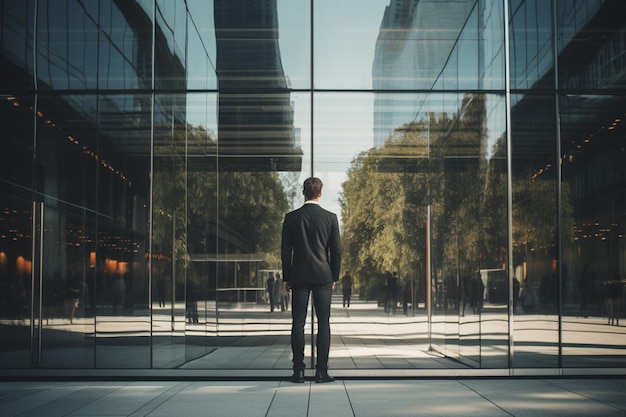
(124, 251)
(531, 46)
(535, 195)
(593, 154)
(201, 208)
(150, 150)
(16, 267)
(590, 44)
(16, 43)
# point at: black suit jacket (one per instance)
(311, 247)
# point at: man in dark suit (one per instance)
(311, 259)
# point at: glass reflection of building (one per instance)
(149, 150)
(255, 129)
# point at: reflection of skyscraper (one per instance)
(255, 122)
(413, 45)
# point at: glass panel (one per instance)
(406, 45)
(446, 154)
(531, 45)
(380, 195)
(267, 46)
(251, 37)
(294, 29)
(491, 45)
(67, 46)
(468, 226)
(170, 258)
(68, 149)
(16, 224)
(597, 30)
(124, 49)
(66, 164)
(16, 147)
(201, 50)
(68, 322)
(593, 216)
(345, 47)
(123, 310)
(535, 253)
(16, 43)
(201, 327)
(238, 194)
(16, 268)
(170, 47)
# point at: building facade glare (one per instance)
(474, 150)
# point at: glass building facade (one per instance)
(473, 150)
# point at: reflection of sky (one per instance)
(343, 57)
(345, 40)
(343, 129)
(201, 61)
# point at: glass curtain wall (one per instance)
(567, 104)
(592, 105)
(150, 150)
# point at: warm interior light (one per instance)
(3, 261)
(20, 264)
(110, 265)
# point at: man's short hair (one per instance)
(312, 188)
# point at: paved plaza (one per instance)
(382, 363)
(489, 397)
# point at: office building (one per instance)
(474, 151)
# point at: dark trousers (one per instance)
(299, 306)
(346, 297)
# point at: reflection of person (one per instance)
(391, 292)
(191, 302)
(613, 290)
(119, 292)
(284, 294)
(90, 286)
(347, 283)
(466, 293)
(279, 298)
(161, 291)
(311, 259)
(74, 293)
(270, 290)
(478, 291)
(409, 295)
(529, 297)
(516, 291)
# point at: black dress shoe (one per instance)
(297, 377)
(322, 376)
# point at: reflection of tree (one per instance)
(383, 209)
(202, 211)
(439, 162)
(535, 211)
(170, 256)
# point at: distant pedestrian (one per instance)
(347, 284)
(269, 285)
